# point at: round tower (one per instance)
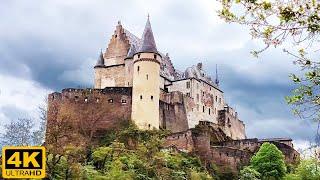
(146, 83)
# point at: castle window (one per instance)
(138, 55)
(198, 97)
(123, 101)
(151, 97)
(202, 108)
(216, 99)
(197, 107)
(188, 85)
(147, 77)
(209, 111)
(155, 56)
(140, 96)
(128, 83)
(149, 125)
(188, 94)
(110, 100)
(138, 69)
(220, 100)
(202, 93)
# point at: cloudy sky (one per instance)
(49, 45)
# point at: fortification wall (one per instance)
(94, 109)
(253, 145)
(173, 115)
(226, 157)
(231, 124)
(182, 141)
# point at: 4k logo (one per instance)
(23, 162)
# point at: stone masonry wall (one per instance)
(173, 115)
(100, 109)
(112, 76)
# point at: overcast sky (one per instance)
(49, 45)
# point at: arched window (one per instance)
(141, 97)
(151, 97)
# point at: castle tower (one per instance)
(146, 82)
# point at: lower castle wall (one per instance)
(182, 141)
(227, 155)
(99, 109)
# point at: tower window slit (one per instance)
(141, 97)
(151, 97)
(147, 76)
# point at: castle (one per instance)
(134, 81)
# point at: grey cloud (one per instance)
(55, 43)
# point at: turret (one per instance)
(98, 68)
(146, 82)
(100, 61)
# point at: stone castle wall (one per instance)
(230, 123)
(101, 109)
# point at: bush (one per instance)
(248, 173)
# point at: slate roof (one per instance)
(100, 61)
(148, 42)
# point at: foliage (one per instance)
(249, 173)
(294, 25)
(269, 162)
(132, 154)
(308, 169)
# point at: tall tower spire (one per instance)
(100, 62)
(148, 42)
(217, 79)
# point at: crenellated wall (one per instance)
(99, 109)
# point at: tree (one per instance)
(18, 133)
(309, 169)
(269, 162)
(293, 25)
(38, 136)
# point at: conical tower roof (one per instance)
(148, 42)
(100, 62)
